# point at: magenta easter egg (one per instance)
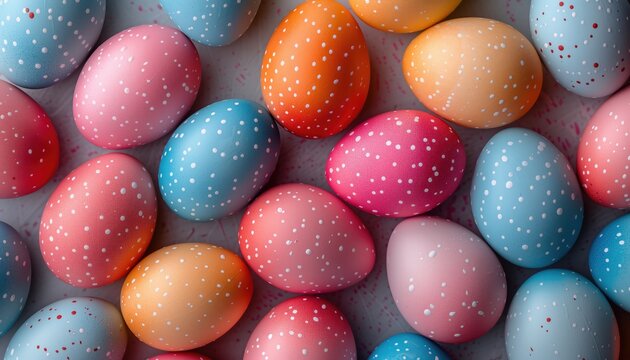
(180, 356)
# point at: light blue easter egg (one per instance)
(219, 159)
(15, 276)
(407, 346)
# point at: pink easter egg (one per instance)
(180, 356)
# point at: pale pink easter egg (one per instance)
(180, 356)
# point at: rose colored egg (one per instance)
(99, 221)
(180, 356)
(136, 87)
(185, 296)
(315, 72)
(446, 282)
(28, 143)
(399, 164)
(302, 328)
(603, 160)
(302, 239)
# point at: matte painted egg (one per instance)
(525, 198)
(476, 72)
(302, 328)
(28, 143)
(559, 314)
(584, 44)
(99, 221)
(446, 282)
(302, 239)
(180, 356)
(136, 87)
(15, 276)
(185, 296)
(43, 42)
(408, 346)
(399, 164)
(219, 159)
(315, 72)
(72, 328)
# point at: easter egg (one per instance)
(603, 158)
(408, 346)
(302, 239)
(185, 296)
(399, 164)
(28, 143)
(525, 198)
(584, 44)
(446, 282)
(476, 72)
(136, 87)
(72, 328)
(212, 22)
(43, 42)
(15, 276)
(99, 221)
(559, 314)
(219, 159)
(180, 356)
(315, 72)
(302, 328)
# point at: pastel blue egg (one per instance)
(525, 198)
(584, 44)
(43, 42)
(407, 346)
(219, 159)
(15, 276)
(72, 328)
(559, 314)
(212, 22)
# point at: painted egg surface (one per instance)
(180, 356)
(559, 314)
(43, 42)
(476, 72)
(72, 328)
(212, 22)
(399, 164)
(603, 160)
(136, 87)
(28, 143)
(315, 72)
(15, 276)
(99, 221)
(446, 282)
(584, 44)
(219, 159)
(185, 296)
(408, 346)
(525, 198)
(302, 328)
(302, 239)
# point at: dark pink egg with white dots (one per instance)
(302, 328)
(99, 221)
(398, 164)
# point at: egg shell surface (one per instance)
(15, 276)
(408, 346)
(180, 356)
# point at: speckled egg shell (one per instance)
(28, 143)
(43, 42)
(15, 276)
(302, 239)
(559, 314)
(212, 22)
(398, 164)
(302, 328)
(99, 221)
(408, 346)
(180, 356)
(446, 282)
(185, 296)
(136, 87)
(72, 328)
(525, 198)
(219, 159)
(603, 160)
(584, 44)
(315, 72)
(476, 72)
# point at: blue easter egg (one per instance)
(15, 276)
(407, 346)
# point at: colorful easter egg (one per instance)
(15, 276)
(180, 356)
(408, 346)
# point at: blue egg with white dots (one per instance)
(219, 159)
(407, 346)
(212, 22)
(526, 199)
(43, 42)
(15, 276)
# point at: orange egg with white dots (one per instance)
(315, 72)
